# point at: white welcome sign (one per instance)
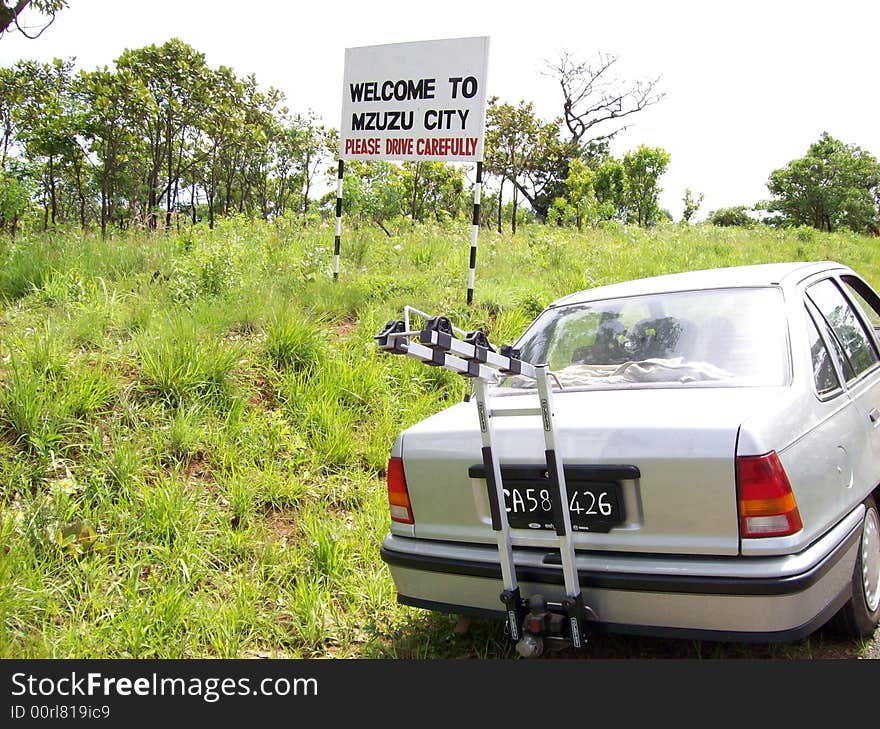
(415, 101)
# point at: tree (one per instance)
(315, 140)
(175, 75)
(11, 10)
(13, 201)
(593, 97)
(581, 195)
(626, 190)
(691, 205)
(432, 188)
(112, 99)
(300, 147)
(642, 169)
(737, 216)
(517, 145)
(253, 160)
(594, 102)
(372, 191)
(12, 96)
(220, 129)
(835, 185)
(162, 134)
(610, 188)
(49, 118)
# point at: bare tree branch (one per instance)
(10, 13)
(41, 31)
(592, 95)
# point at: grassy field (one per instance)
(194, 428)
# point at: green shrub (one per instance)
(293, 342)
(166, 515)
(182, 365)
(22, 272)
(732, 217)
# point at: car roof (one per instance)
(764, 274)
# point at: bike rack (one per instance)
(470, 354)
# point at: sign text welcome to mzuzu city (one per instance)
(415, 101)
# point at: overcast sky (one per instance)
(749, 85)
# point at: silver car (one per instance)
(720, 435)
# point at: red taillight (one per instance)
(767, 507)
(398, 496)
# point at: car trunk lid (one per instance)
(679, 446)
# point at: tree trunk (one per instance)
(306, 196)
(104, 201)
(153, 200)
(500, 206)
(9, 14)
(52, 188)
(415, 192)
(177, 171)
(515, 201)
(228, 194)
(540, 210)
(176, 187)
(151, 207)
(111, 205)
(264, 194)
(170, 163)
(82, 196)
(7, 137)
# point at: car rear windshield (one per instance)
(719, 337)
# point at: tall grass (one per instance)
(211, 407)
(45, 399)
(295, 341)
(182, 364)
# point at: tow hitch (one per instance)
(549, 626)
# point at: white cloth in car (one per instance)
(647, 370)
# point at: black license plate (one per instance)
(593, 506)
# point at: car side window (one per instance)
(824, 373)
(866, 299)
(858, 351)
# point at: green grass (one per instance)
(194, 427)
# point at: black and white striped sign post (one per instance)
(338, 237)
(423, 101)
(475, 230)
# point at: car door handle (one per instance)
(874, 415)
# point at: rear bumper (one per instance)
(731, 599)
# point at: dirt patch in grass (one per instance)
(243, 328)
(342, 328)
(198, 468)
(128, 373)
(264, 654)
(263, 396)
(281, 525)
